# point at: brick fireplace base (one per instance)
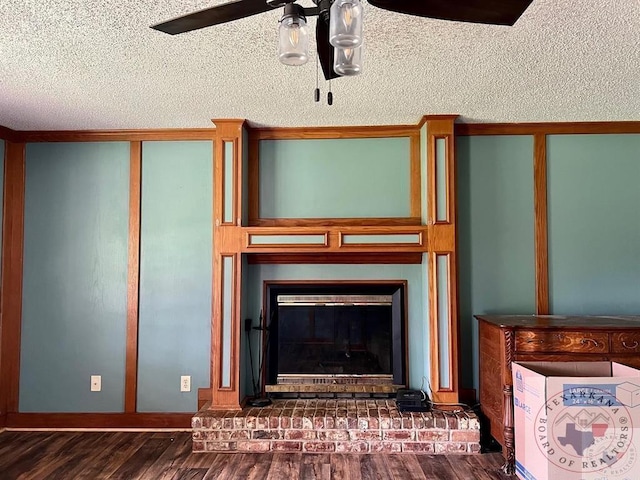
(335, 425)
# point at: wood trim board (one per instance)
(133, 279)
(541, 223)
(99, 420)
(11, 292)
(547, 128)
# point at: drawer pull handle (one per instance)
(585, 341)
(535, 340)
(632, 346)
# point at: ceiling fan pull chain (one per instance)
(330, 95)
(317, 91)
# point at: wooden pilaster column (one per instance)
(11, 291)
(227, 264)
(442, 254)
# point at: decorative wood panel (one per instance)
(541, 225)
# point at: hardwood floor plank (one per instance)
(436, 467)
(69, 460)
(285, 466)
(261, 466)
(172, 459)
(315, 466)
(189, 474)
(146, 455)
(120, 447)
(373, 467)
(32, 459)
(167, 456)
(404, 466)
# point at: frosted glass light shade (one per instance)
(293, 37)
(345, 23)
(347, 61)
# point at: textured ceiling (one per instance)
(96, 64)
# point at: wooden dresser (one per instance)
(508, 338)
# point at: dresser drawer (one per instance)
(574, 342)
(625, 342)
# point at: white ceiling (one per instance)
(96, 64)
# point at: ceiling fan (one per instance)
(338, 50)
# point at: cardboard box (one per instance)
(576, 421)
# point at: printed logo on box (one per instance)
(586, 428)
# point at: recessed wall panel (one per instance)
(495, 235)
(336, 178)
(594, 224)
(175, 273)
(74, 306)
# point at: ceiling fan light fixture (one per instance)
(347, 62)
(345, 24)
(293, 36)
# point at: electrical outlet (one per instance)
(185, 383)
(96, 383)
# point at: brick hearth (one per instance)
(335, 425)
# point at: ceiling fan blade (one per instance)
(325, 49)
(226, 12)
(493, 12)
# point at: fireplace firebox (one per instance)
(329, 338)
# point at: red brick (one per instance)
(318, 422)
(385, 447)
(352, 447)
(465, 436)
(279, 446)
(333, 435)
(363, 423)
(253, 446)
(329, 422)
(452, 447)
(385, 423)
(296, 422)
(452, 421)
(250, 422)
(300, 435)
(274, 421)
(398, 435)
(196, 422)
(197, 435)
(266, 434)
(197, 446)
(374, 423)
(433, 435)
(407, 421)
(365, 434)
(416, 447)
(220, 446)
(342, 423)
(227, 423)
(473, 448)
(438, 420)
(285, 422)
(238, 422)
(319, 447)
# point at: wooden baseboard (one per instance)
(99, 420)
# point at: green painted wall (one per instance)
(175, 274)
(594, 223)
(418, 328)
(75, 276)
(345, 178)
(495, 234)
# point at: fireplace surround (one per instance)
(335, 337)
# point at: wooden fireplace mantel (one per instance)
(418, 239)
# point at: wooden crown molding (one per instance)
(8, 134)
(115, 135)
(309, 133)
(546, 128)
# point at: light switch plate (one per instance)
(96, 383)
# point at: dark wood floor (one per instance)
(167, 456)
